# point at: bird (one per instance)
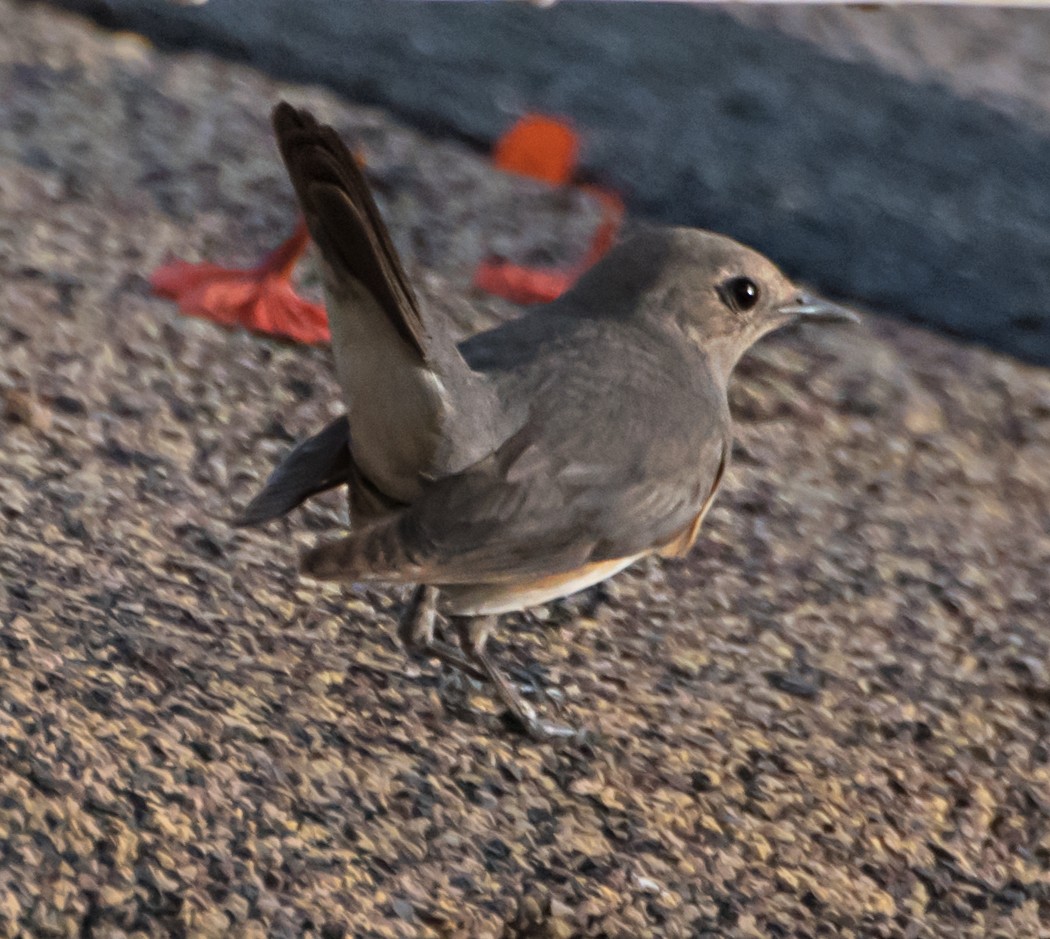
(535, 458)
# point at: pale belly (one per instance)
(492, 599)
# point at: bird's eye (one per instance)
(739, 293)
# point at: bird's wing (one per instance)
(417, 410)
(522, 515)
(317, 464)
(569, 489)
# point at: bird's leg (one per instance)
(473, 632)
(416, 632)
(415, 629)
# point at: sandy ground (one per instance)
(833, 719)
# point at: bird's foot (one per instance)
(525, 719)
(531, 681)
(416, 631)
(457, 682)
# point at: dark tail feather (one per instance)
(376, 553)
(343, 218)
(322, 462)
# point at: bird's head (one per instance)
(721, 294)
(740, 295)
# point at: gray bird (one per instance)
(534, 459)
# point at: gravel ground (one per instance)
(833, 719)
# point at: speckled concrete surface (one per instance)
(995, 55)
(833, 719)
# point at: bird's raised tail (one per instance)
(343, 218)
(417, 411)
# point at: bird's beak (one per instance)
(817, 307)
